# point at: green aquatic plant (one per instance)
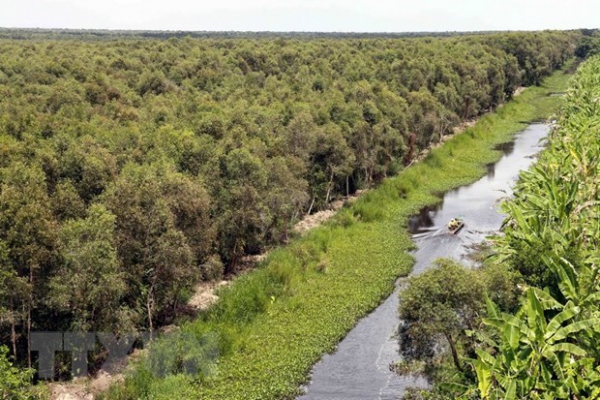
(549, 348)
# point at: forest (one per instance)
(132, 168)
(526, 325)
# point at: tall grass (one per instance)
(273, 324)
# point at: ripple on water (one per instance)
(359, 368)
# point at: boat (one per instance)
(455, 225)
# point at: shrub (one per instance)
(14, 382)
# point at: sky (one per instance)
(302, 15)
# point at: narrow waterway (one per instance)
(359, 368)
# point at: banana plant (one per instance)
(550, 349)
(533, 356)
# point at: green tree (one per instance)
(442, 302)
(14, 382)
(332, 162)
(89, 167)
(28, 229)
(12, 295)
(89, 284)
(243, 218)
(156, 257)
(287, 194)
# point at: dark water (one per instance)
(359, 368)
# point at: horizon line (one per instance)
(290, 31)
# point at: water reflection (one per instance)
(359, 368)
(423, 220)
(507, 148)
(419, 223)
(491, 170)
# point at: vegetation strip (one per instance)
(275, 323)
(548, 348)
(150, 165)
(545, 345)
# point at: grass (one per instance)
(273, 324)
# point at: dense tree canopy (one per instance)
(130, 168)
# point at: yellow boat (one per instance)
(455, 225)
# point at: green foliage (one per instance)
(213, 269)
(90, 284)
(274, 323)
(443, 306)
(157, 163)
(548, 349)
(589, 45)
(442, 302)
(15, 382)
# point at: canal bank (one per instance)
(359, 368)
(275, 323)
